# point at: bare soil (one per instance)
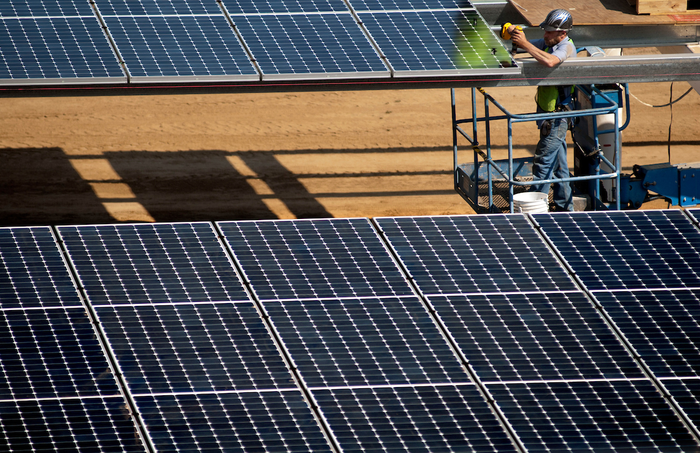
(88, 160)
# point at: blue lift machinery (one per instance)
(489, 184)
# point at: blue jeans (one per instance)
(550, 162)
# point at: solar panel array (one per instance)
(52, 42)
(421, 334)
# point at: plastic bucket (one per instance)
(532, 202)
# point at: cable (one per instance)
(671, 102)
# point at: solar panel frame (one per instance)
(612, 250)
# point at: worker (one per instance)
(550, 154)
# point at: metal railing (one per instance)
(512, 118)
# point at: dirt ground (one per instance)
(87, 160)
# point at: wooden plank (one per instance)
(657, 7)
(588, 12)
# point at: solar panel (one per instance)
(522, 337)
(57, 391)
(628, 250)
(196, 357)
(314, 259)
(437, 42)
(45, 49)
(153, 263)
(309, 45)
(356, 342)
(184, 48)
(474, 254)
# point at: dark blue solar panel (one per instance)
(364, 342)
(686, 392)
(595, 416)
(474, 254)
(157, 8)
(628, 250)
(416, 419)
(534, 337)
(89, 424)
(407, 5)
(193, 348)
(236, 422)
(180, 46)
(436, 41)
(55, 48)
(44, 8)
(314, 259)
(252, 7)
(152, 263)
(288, 45)
(663, 327)
(32, 270)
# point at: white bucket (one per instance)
(532, 202)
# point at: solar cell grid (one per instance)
(594, 416)
(314, 259)
(635, 250)
(474, 254)
(514, 337)
(663, 327)
(155, 263)
(325, 45)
